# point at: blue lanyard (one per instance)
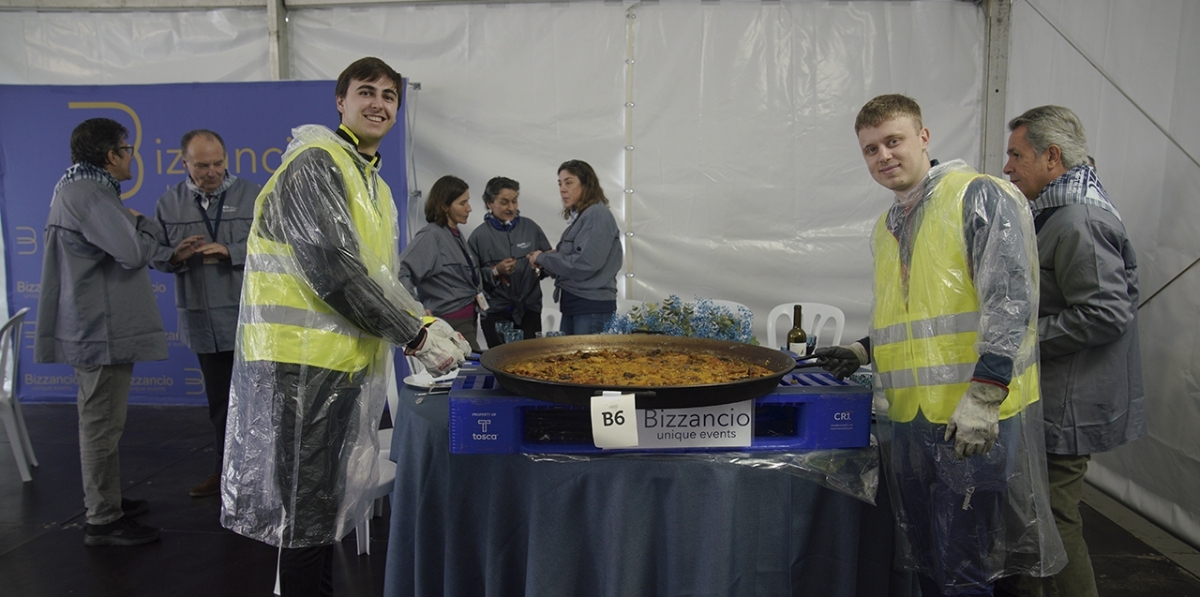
(212, 225)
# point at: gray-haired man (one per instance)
(1087, 321)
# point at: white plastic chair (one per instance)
(387, 468)
(10, 407)
(550, 319)
(382, 489)
(393, 402)
(816, 316)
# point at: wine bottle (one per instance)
(797, 340)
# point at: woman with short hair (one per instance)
(499, 245)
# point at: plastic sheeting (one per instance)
(854, 472)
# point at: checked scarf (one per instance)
(86, 171)
(1077, 185)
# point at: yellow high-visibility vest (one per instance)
(923, 340)
(282, 319)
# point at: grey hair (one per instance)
(1054, 125)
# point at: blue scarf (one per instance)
(501, 226)
(1078, 185)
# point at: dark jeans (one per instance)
(531, 324)
(584, 323)
(217, 369)
(952, 510)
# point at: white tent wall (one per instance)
(111, 48)
(744, 180)
(1129, 70)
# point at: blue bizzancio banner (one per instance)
(255, 119)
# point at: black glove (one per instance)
(841, 361)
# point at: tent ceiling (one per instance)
(206, 4)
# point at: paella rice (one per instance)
(650, 368)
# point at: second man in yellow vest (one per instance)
(954, 342)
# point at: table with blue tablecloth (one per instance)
(508, 525)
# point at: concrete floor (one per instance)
(167, 449)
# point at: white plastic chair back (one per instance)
(387, 468)
(10, 407)
(816, 317)
(393, 402)
(382, 489)
(550, 319)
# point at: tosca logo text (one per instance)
(483, 434)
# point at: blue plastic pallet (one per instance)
(808, 411)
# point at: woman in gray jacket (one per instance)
(587, 258)
(499, 246)
(437, 268)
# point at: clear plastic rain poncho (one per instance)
(321, 308)
(956, 277)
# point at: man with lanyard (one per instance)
(321, 308)
(954, 344)
(208, 215)
(1087, 322)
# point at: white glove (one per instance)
(975, 423)
(443, 329)
(443, 349)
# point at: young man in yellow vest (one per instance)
(954, 343)
(321, 307)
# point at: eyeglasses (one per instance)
(128, 148)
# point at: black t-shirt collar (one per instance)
(348, 136)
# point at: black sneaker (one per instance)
(124, 532)
(131, 508)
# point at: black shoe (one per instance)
(131, 508)
(124, 533)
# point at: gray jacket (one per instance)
(588, 256)
(1088, 333)
(437, 270)
(97, 306)
(521, 293)
(207, 295)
